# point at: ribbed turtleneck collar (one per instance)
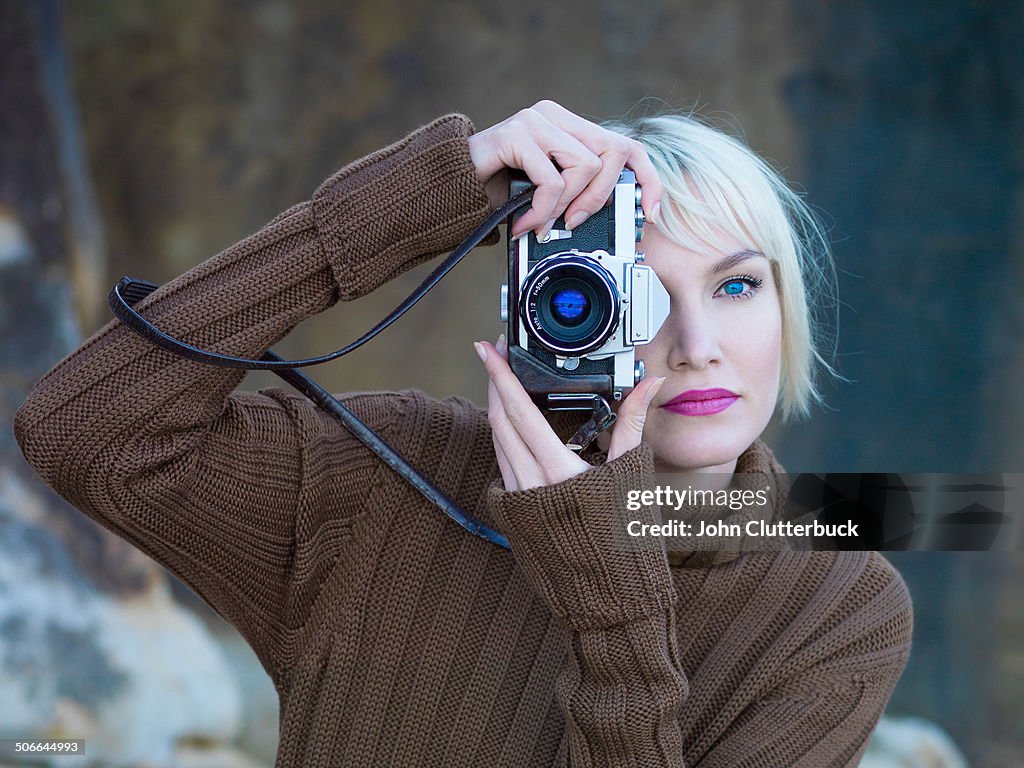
(756, 468)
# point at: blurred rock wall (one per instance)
(92, 645)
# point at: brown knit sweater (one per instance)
(394, 637)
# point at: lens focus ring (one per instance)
(570, 304)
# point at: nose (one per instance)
(694, 339)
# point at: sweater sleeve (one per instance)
(622, 686)
(212, 483)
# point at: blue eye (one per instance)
(740, 287)
(734, 287)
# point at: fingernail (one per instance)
(543, 231)
(653, 390)
(655, 212)
(576, 219)
(481, 352)
(500, 345)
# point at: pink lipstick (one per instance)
(701, 402)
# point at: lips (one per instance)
(701, 402)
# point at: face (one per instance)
(719, 349)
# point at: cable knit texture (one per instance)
(394, 637)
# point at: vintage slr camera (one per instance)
(578, 303)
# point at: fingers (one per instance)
(596, 194)
(616, 151)
(629, 426)
(518, 413)
(553, 186)
(557, 162)
(519, 469)
(648, 179)
(522, 464)
(508, 475)
(574, 163)
(529, 453)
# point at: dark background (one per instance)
(902, 121)
(183, 127)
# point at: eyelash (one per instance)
(755, 284)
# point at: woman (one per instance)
(394, 637)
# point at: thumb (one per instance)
(629, 426)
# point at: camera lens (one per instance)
(570, 304)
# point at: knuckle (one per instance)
(621, 146)
(592, 200)
(518, 132)
(546, 104)
(553, 187)
(528, 116)
(592, 164)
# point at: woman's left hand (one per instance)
(529, 452)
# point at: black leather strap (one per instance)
(391, 457)
(129, 291)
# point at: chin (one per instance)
(698, 446)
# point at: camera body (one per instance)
(578, 303)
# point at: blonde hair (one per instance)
(714, 183)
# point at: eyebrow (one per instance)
(731, 261)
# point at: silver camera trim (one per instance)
(644, 303)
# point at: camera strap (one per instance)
(130, 291)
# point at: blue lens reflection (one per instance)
(568, 305)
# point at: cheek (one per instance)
(757, 351)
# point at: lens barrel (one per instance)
(570, 304)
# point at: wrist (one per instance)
(490, 171)
(497, 188)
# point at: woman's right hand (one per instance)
(589, 159)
